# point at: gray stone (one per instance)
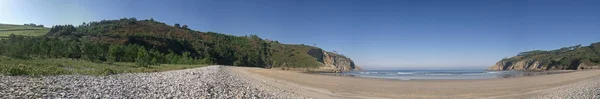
(205, 82)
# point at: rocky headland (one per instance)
(567, 58)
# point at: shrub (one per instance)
(108, 71)
(17, 71)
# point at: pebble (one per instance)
(587, 89)
(205, 82)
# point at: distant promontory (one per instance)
(567, 58)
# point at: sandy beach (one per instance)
(580, 84)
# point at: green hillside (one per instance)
(573, 57)
(288, 55)
(26, 30)
(150, 43)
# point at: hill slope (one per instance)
(7, 29)
(567, 58)
(149, 42)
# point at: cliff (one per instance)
(335, 62)
(539, 65)
(567, 58)
(326, 62)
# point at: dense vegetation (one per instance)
(49, 66)
(563, 58)
(149, 43)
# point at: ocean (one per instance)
(439, 74)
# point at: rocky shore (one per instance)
(206, 82)
(587, 89)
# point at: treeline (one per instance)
(566, 57)
(34, 25)
(25, 47)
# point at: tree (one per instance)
(185, 58)
(157, 57)
(132, 19)
(92, 52)
(74, 50)
(18, 47)
(143, 58)
(208, 60)
(238, 63)
(185, 27)
(60, 30)
(172, 58)
(177, 25)
(30, 24)
(115, 53)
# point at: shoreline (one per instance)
(523, 74)
(359, 87)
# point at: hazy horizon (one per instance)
(375, 34)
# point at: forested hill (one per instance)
(148, 42)
(567, 58)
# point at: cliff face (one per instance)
(340, 62)
(530, 64)
(333, 62)
(520, 65)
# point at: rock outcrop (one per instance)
(341, 63)
(587, 66)
(530, 64)
(333, 62)
(520, 65)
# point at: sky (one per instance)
(376, 34)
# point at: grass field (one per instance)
(37, 67)
(7, 29)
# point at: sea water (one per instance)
(437, 74)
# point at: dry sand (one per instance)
(329, 87)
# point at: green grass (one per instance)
(6, 30)
(38, 67)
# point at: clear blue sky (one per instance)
(376, 34)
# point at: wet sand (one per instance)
(323, 86)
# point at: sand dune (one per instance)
(323, 86)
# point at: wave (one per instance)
(404, 73)
(425, 73)
(440, 74)
(384, 73)
(368, 72)
(432, 74)
(494, 72)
